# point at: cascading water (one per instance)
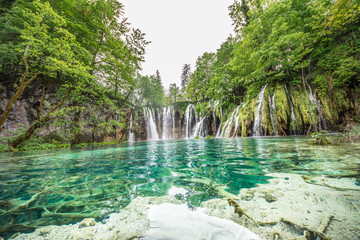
(219, 127)
(293, 118)
(214, 112)
(150, 124)
(228, 124)
(257, 129)
(173, 122)
(271, 108)
(313, 100)
(199, 129)
(189, 115)
(131, 135)
(168, 123)
(237, 123)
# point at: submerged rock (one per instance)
(290, 206)
(269, 197)
(303, 206)
(87, 222)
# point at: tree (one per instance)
(116, 53)
(151, 91)
(48, 51)
(199, 80)
(174, 91)
(186, 71)
(221, 85)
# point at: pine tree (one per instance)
(186, 71)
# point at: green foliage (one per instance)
(201, 109)
(352, 133)
(44, 42)
(34, 143)
(199, 80)
(284, 42)
(181, 106)
(151, 91)
(86, 45)
(320, 138)
(174, 92)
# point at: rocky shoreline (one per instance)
(291, 206)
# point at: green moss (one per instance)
(282, 104)
(243, 128)
(181, 106)
(201, 109)
(330, 114)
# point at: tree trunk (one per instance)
(22, 138)
(75, 128)
(37, 123)
(15, 97)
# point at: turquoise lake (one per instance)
(42, 188)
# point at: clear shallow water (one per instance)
(45, 188)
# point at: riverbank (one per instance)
(290, 206)
(47, 146)
(350, 134)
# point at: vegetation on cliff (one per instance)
(307, 53)
(84, 49)
(301, 56)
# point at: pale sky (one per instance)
(179, 31)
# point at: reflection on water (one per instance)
(101, 180)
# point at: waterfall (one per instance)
(150, 124)
(257, 129)
(237, 120)
(168, 123)
(313, 100)
(189, 115)
(219, 127)
(173, 122)
(271, 108)
(199, 130)
(293, 118)
(227, 126)
(214, 112)
(166, 113)
(131, 135)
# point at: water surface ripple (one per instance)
(51, 187)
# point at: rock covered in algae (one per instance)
(87, 222)
(149, 218)
(303, 205)
(326, 205)
(130, 223)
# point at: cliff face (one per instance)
(278, 110)
(24, 112)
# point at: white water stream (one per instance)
(151, 126)
(257, 129)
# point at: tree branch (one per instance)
(41, 104)
(47, 116)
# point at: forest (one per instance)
(260, 140)
(70, 74)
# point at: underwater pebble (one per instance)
(270, 197)
(45, 230)
(87, 222)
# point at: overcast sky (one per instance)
(179, 31)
